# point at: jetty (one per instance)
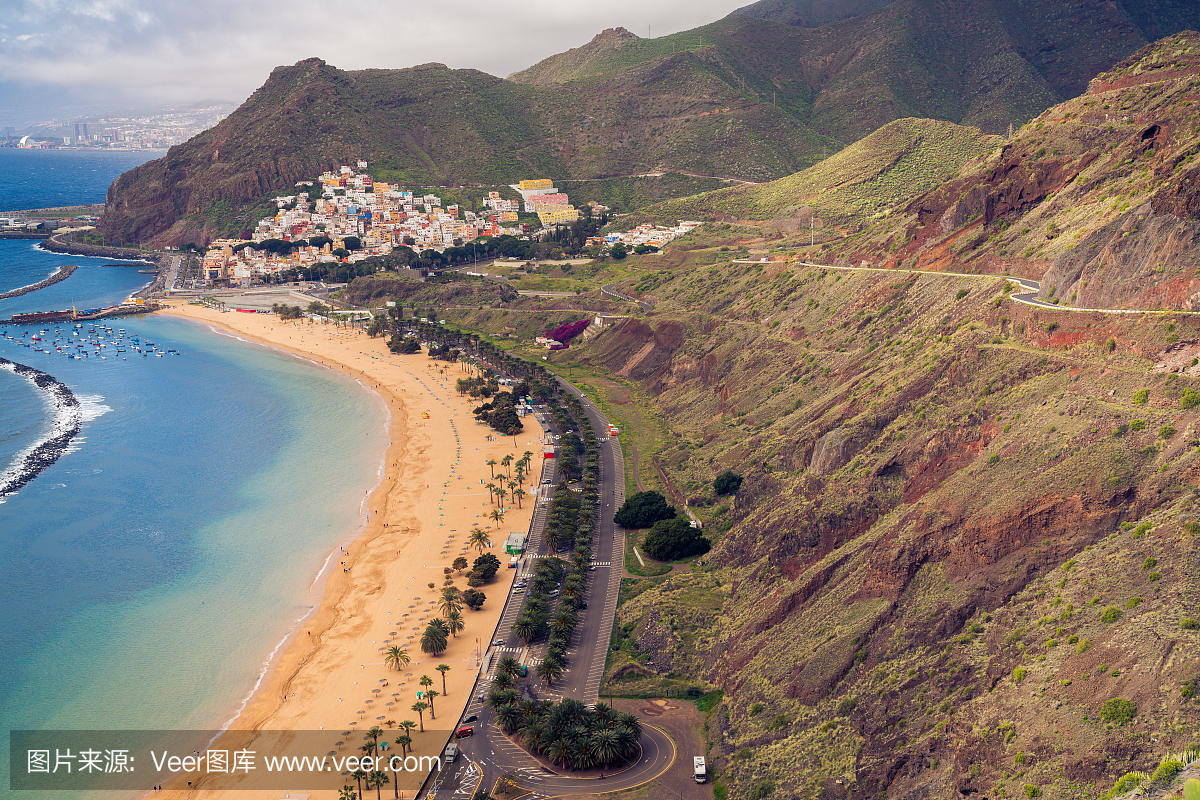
(123, 310)
(60, 274)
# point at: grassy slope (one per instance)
(941, 564)
(892, 165)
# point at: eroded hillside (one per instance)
(1097, 196)
(966, 523)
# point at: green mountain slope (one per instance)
(894, 164)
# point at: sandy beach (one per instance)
(331, 676)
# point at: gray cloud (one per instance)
(149, 51)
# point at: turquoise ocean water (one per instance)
(153, 571)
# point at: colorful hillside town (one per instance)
(347, 216)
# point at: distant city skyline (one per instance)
(67, 59)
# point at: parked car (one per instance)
(464, 732)
(472, 718)
(498, 643)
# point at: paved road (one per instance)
(608, 289)
(489, 755)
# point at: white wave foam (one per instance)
(91, 406)
(66, 415)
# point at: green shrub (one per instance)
(1019, 758)
(1128, 781)
(727, 482)
(1189, 399)
(1019, 674)
(961, 294)
(1149, 563)
(1166, 432)
(1154, 576)
(1168, 768)
(762, 791)
(1118, 711)
(847, 705)
(1110, 615)
(1083, 646)
(1032, 791)
(1141, 396)
(1189, 624)
(1137, 424)
(1133, 602)
(755, 708)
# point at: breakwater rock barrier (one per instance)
(67, 420)
(60, 274)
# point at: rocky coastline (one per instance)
(68, 418)
(60, 274)
(62, 243)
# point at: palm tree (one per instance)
(443, 668)
(396, 657)
(503, 681)
(491, 462)
(405, 743)
(358, 775)
(506, 461)
(377, 779)
(433, 641)
(426, 682)
(509, 718)
(347, 793)
(429, 695)
(509, 666)
(491, 487)
(451, 600)
(478, 539)
(407, 726)
(525, 629)
(391, 723)
(372, 737)
(455, 620)
(549, 670)
(518, 494)
(497, 516)
(440, 624)
(420, 707)
(558, 751)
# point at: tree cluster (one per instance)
(643, 509)
(568, 733)
(501, 414)
(673, 539)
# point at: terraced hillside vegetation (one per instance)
(966, 525)
(742, 98)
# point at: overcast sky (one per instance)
(62, 57)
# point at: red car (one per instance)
(464, 732)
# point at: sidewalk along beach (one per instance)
(332, 675)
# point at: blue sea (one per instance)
(155, 568)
